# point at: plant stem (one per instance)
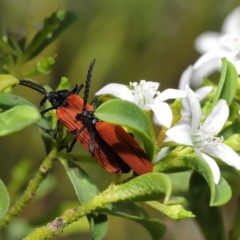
(56, 227)
(31, 189)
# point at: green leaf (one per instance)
(7, 81)
(134, 212)
(223, 193)
(17, 118)
(128, 114)
(234, 108)
(209, 218)
(220, 193)
(176, 200)
(221, 83)
(4, 200)
(53, 26)
(175, 212)
(176, 107)
(64, 84)
(230, 84)
(86, 190)
(83, 185)
(43, 66)
(232, 129)
(147, 187)
(9, 100)
(233, 142)
(226, 88)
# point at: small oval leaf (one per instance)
(175, 212)
(9, 100)
(17, 118)
(230, 84)
(4, 200)
(127, 114)
(7, 81)
(220, 193)
(147, 187)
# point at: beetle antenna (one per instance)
(88, 82)
(33, 85)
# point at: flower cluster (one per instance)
(214, 46)
(197, 128)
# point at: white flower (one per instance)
(202, 137)
(194, 74)
(227, 40)
(146, 96)
(214, 46)
(201, 93)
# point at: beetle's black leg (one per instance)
(76, 132)
(92, 138)
(55, 130)
(69, 147)
(94, 103)
(46, 110)
(79, 88)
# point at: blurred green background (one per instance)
(131, 40)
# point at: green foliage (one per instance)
(175, 212)
(4, 200)
(53, 26)
(205, 215)
(17, 118)
(7, 81)
(136, 213)
(121, 198)
(16, 52)
(220, 193)
(86, 190)
(229, 83)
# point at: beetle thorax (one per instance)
(87, 117)
(58, 98)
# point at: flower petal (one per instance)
(203, 92)
(170, 94)
(217, 118)
(231, 23)
(230, 42)
(223, 152)
(180, 134)
(162, 113)
(116, 89)
(195, 109)
(212, 164)
(161, 154)
(186, 78)
(207, 41)
(206, 65)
